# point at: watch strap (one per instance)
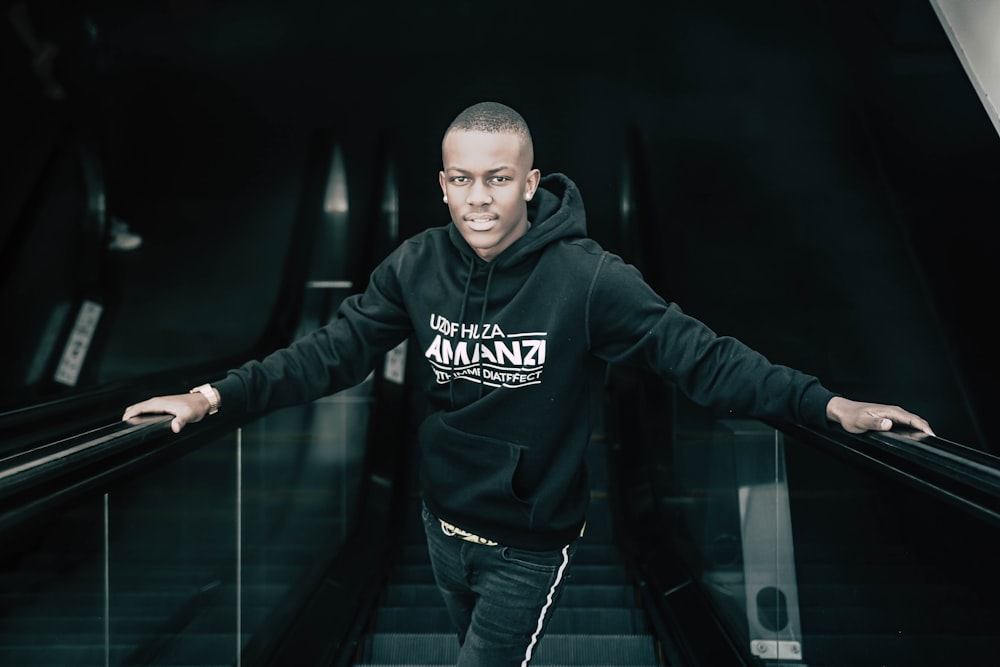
(209, 392)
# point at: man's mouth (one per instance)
(480, 223)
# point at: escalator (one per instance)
(598, 621)
(124, 544)
(286, 541)
(294, 539)
(774, 544)
(177, 562)
(795, 546)
(887, 573)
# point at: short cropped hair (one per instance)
(494, 118)
(491, 117)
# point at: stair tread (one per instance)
(570, 649)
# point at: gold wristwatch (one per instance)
(209, 392)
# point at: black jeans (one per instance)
(499, 598)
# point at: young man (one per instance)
(511, 305)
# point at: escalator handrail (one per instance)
(21, 469)
(960, 475)
(973, 465)
(32, 436)
(943, 472)
(83, 410)
(50, 475)
(963, 475)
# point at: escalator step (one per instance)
(412, 574)
(596, 621)
(597, 595)
(565, 620)
(584, 574)
(554, 649)
(590, 650)
(598, 553)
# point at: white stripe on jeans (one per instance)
(545, 609)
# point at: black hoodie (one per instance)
(513, 345)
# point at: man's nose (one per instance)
(479, 194)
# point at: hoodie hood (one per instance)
(555, 212)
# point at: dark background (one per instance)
(824, 172)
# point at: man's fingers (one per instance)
(180, 406)
(134, 411)
(152, 405)
(884, 421)
(917, 423)
(921, 425)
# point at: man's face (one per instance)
(487, 181)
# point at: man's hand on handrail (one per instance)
(186, 409)
(858, 417)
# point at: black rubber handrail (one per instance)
(962, 476)
(28, 468)
(966, 465)
(82, 411)
(51, 475)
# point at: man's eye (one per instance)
(501, 179)
(459, 179)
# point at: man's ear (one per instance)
(531, 184)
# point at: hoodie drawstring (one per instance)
(482, 320)
(461, 317)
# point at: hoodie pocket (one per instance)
(471, 474)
